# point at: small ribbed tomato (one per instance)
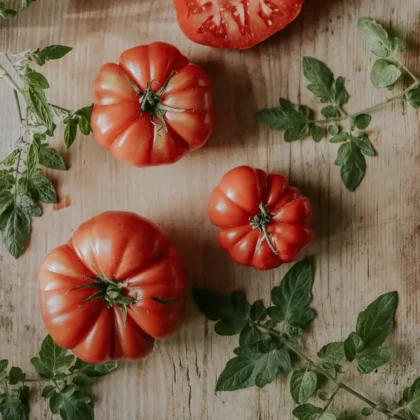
(153, 107)
(112, 289)
(263, 221)
(234, 23)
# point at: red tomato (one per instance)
(263, 221)
(112, 289)
(234, 23)
(152, 108)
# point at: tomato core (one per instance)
(261, 221)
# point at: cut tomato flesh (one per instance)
(234, 23)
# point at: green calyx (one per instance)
(111, 291)
(261, 221)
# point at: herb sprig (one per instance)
(268, 336)
(65, 378)
(22, 184)
(298, 122)
(7, 13)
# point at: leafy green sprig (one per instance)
(66, 379)
(22, 184)
(268, 337)
(7, 13)
(298, 122)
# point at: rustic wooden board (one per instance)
(368, 241)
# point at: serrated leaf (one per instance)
(231, 313)
(339, 138)
(27, 3)
(411, 397)
(353, 345)
(52, 52)
(95, 370)
(372, 358)
(334, 129)
(293, 296)
(293, 119)
(72, 407)
(27, 205)
(353, 165)
(16, 375)
(41, 188)
(33, 78)
(51, 158)
(380, 41)
(32, 158)
(48, 391)
(250, 336)
(414, 98)
(253, 368)
(3, 365)
(361, 140)
(10, 159)
(332, 354)
(311, 412)
(366, 411)
(376, 322)
(5, 12)
(84, 116)
(12, 408)
(37, 102)
(384, 74)
(382, 407)
(321, 79)
(322, 395)
(331, 111)
(317, 133)
(341, 96)
(6, 203)
(303, 385)
(16, 230)
(362, 121)
(82, 380)
(258, 311)
(70, 132)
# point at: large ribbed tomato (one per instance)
(153, 107)
(112, 289)
(263, 221)
(234, 23)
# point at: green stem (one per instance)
(325, 373)
(6, 76)
(347, 116)
(18, 105)
(402, 65)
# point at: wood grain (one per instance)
(368, 242)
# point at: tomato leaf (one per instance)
(33, 78)
(372, 358)
(82, 380)
(5, 12)
(27, 3)
(16, 375)
(230, 312)
(332, 354)
(84, 116)
(27, 205)
(12, 408)
(52, 52)
(362, 121)
(414, 98)
(411, 397)
(303, 385)
(37, 102)
(51, 158)
(353, 345)
(311, 412)
(70, 132)
(361, 140)
(95, 370)
(16, 227)
(321, 78)
(71, 405)
(41, 188)
(376, 322)
(384, 74)
(258, 311)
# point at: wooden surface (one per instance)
(367, 242)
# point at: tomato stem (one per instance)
(260, 222)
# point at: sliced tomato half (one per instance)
(234, 23)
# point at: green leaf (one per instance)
(250, 336)
(414, 98)
(231, 313)
(339, 138)
(3, 365)
(341, 95)
(84, 116)
(41, 188)
(353, 346)
(372, 358)
(322, 395)
(332, 354)
(48, 391)
(16, 375)
(384, 74)
(361, 140)
(253, 367)
(258, 311)
(321, 78)
(382, 408)
(70, 132)
(37, 102)
(52, 52)
(33, 78)
(10, 158)
(331, 111)
(376, 322)
(5, 12)
(293, 119)
(17, 227)
(362, 121)
(27, 3)
(380, 41)
(12, 408)
(94, 371)
(334, 129)
(51, 158)
(411, 397)
(353, 165)
(367, 411)
(303, 385)
(82, 380)
(293, 296)
(73, 406)
(6, 203)
(311, 412)
(32, 158)
(27, 205)
(317, 133)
